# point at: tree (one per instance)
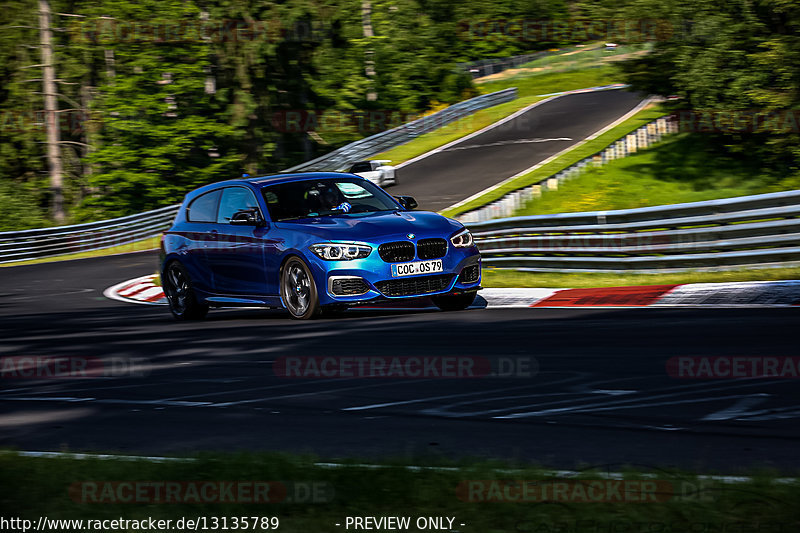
(163, 131)
(23, 197)
(730, 56)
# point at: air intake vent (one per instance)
(470, 274)
(349, 286)
(415, 286)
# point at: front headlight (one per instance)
(462, 239)
(340, 251)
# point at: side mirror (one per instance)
(407, 202)
(247, 217)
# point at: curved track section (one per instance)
(599, 390)
(477, 162)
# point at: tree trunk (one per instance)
(51, 115)
(369, 62)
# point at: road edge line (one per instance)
(412, 468)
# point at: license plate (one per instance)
(417, 267)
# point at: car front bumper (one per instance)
(377, 283)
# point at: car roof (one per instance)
(263, 181)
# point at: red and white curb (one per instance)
(143, 290)
(739, 294)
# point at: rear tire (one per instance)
(298, 290)
(454, 302)
(183, 302)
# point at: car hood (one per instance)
(371, 226)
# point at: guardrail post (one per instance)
(651, 133)
(631, 140)
(641, 138)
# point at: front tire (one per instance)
(454, 302)
(298, 290)
(183, 302)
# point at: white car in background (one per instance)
(376, 171)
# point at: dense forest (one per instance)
(155, 97)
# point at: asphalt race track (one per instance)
(470, 166)
(601, 394)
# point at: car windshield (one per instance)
(325, 197)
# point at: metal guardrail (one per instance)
(758, 230)
(61, 240)
(748, 231)
(50, 242)
(341, 158)
(487, 67)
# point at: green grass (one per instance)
(138, 246)
(588, 56)
(564, 161)
(536, 83)
(529, 89)
(493, 277)
(681, 168)
(35, 487)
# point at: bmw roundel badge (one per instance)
(410, 235)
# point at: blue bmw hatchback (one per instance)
(311, 243)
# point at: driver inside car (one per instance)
(324, 197)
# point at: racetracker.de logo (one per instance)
(202, 492)
(774, 122)
(408, 367)
(724, 367)
(107, 30)
(37, 367)
(567, 491)
(580, 30)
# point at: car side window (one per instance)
(361, 167)
(204, 208)
(235, 199)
